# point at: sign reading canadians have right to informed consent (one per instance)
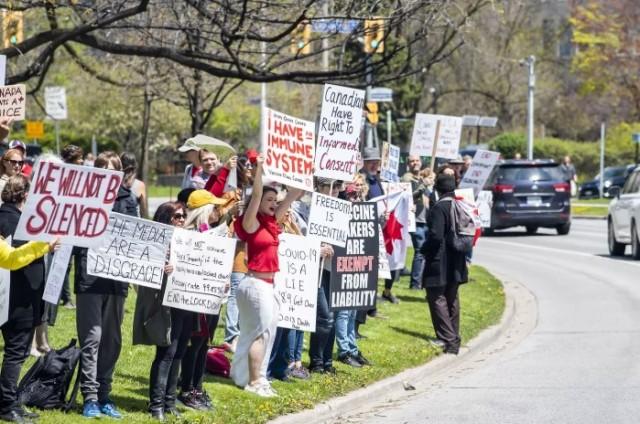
(329, 219)
(338, 147)
(428, 128)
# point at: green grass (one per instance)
(162, 191)
(394, 344)
(603, 201)
(588, 211)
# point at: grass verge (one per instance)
(589, 211)
(162, 191)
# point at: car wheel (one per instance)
(532, 229)
(615, 248)
(635, 243)
(563, 229)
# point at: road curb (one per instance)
(589, 217)
(516, 295)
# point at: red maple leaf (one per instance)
(391, 231)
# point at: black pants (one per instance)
(395, 276)
(165, 368)
(195, 358)
(17, 344)
(445, 313)
(321, 342)
(65, 294)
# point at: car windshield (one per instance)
(613, 172)
(530, 173)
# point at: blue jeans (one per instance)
(232, 330)
(418, 239)
(346, 332)
(279, 359)
(296, 344)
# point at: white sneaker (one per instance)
(262, 389)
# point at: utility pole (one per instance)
(602, 141)
(263, 92)
(530, 62)
(369, 80)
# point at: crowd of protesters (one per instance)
(255, 213)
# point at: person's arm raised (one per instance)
(293, 194)
(250, 219)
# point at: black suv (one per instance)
(530, 193)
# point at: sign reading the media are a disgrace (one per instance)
(72, 202)
(289, 145)
(201, 271)
(329, 219)
(296, 285)
(338, 148)
(354, 268)
(133, 250)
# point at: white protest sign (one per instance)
(3, 69)
(55, 102)
(201, 271)
(5, 290)
(479, 171)
(390, 162)
(429, 128)
(57, 273)
(13, 102)
(329, 219)
(485, 203)
(72, 202)
(384, 271)
(338, 147)
(288, 145)
(133, 250)
(390, 188)
(296, 285)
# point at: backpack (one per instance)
(464, 223)
(217, 363)
(46, 384)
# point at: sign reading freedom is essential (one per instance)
(296, 285)
(479, 171)
(13, 100)
(201, 271)
(288, 146)
(429, 129)
(72, 202)
(338, 148)
(354, 269)
(329, 219)
(133, 251)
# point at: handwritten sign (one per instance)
(13, 101)
(202, 270)
(133, 250)
(354, 268)
(329, 219)
(479, 171)
(390, 162)
(427, 129)
(296, 285)
(57, 274)
(485, 203)
(5, 289)
(288, 146)
(68, 201)
(338, 148)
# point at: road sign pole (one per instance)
(389, 126)
(57, 137)
(602, 141)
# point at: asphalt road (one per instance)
(579, 364)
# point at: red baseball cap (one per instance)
(252, 155)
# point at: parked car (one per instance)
(623, 217)
(614, 176)
(531, 193)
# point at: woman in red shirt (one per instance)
(258, 309)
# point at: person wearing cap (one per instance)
(27, 169)
(371, 170)
(194, 168)
(444, 270)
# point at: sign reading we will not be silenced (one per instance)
(296, 285)
(201, 271)
(72, 202)
(329, 219)
(354, 269)
(289, 147)
(133, 251)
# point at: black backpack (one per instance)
(46, 384)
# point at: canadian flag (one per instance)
(396, 229)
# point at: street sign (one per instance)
(635, 137)
(380, 94)
(335, 26)
(488, 121)
(55, 99)
(470, 120)
(35, 129)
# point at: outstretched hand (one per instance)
(5, 128)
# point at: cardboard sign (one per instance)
(390, 188)
(354, 268)
(5, 289)
(479, 171)
(133, 250)
(338, 147)
(13, 102)
(329, 219)
(485, 203)
(57, 273)
(72, 202)
(202, 266)
(296, 285)
(390, 162)
(384, 271)
(288, 146)
(429, 129)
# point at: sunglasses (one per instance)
(179, 216)
(19, 163)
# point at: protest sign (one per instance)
(390, 162)
(68, 201)
(296, 284)
(339, 129)
(5, 289)
(384, 271)
(201, 271)
(479, 171)
(485, 203)
(441, 129)
(57, 274)
(329, 219)
(13, 101)
(133, 250)
(288, 147)
(391, 188)
(354, 268)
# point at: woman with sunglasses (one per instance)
(12, 163)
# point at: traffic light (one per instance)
(301, 39)
(374, 36)
(11, 28)
(372, 113)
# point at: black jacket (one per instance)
(27, 284)
(442, 264)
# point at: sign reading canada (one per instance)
(13, 99)
(72, 202)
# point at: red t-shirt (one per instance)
(262, 246)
